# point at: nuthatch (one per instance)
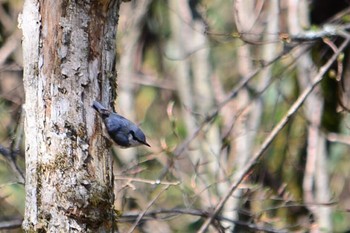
(123, 132)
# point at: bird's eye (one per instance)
(134, 137)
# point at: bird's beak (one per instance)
(145, 143)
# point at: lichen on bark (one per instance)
(69, 56)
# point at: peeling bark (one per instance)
(69, 56)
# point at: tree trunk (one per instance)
(316, 177)
(69, 60)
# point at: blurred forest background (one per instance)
(210, 83)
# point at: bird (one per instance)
(123, 132)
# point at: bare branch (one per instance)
(292, 110)
(169, 213)
(10, 156)
(147, 208)
(10, 45)
(333, 137)
(328, 30)
(211, 116)
(153, 182)
(11, 224)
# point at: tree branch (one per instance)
(11, 224)
(140, 216)
(292, 110)
(154, 214)
(10, 156)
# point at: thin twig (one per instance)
(10, 46)
(140, 216)
(339, 61)
(211, 116)
(292, 110)
(11, 224)
(11, 158)
(140, 180)
(334, 137)
(170, 213)
(8, 184)
(15, 145)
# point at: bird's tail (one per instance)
(101, 109)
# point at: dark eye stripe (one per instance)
(135, 138)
